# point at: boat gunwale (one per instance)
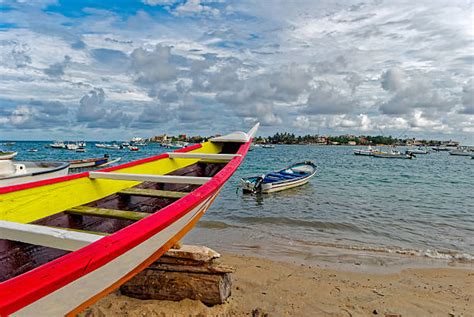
(58, 273)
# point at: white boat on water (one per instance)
(7, 155)
(370, 151)
(392, 154)
(268, 146)
(20, 172)
(58, 145)
(417, 151)
(72, 146)
(461, 152)
(295, 175)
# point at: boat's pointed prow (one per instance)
(238, 136)
(253, 131)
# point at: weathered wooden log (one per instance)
(189, 272)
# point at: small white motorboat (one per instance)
(370, 151)
(461, 152)
(20, 172)
(58, 145)
(394, 155)
(417, 151)
(268, 146)
(295, 175)
(7, 155)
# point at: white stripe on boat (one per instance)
(46, 236)
(67, 298)
(170, 179)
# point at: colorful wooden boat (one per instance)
(295, 175)
(71, 240)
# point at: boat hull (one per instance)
(249, 184)
(393, 156)
(58, 171)
(66, 284)
(7, 155)
(74, 297)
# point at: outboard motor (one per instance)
(257, 188)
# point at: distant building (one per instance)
(159, 138)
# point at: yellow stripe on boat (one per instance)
(31, 204)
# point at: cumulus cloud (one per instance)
(90, 108)
(326, 99)
(415, 94)
(38, 115)
(467, 98)
(153, 66)
(393, 79)
(57, 69)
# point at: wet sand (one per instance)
(263, 286)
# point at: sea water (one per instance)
(423, 206)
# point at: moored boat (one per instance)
(268, 146)
(461, 152)
(295, 175)
(126, 217)
(21, 172)
(417, 151)
(366, 152)
(394, 155)
(90, 162)
(58, 145)
(7, 155)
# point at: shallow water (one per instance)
(423, 206)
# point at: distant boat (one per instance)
(417, 151)
(461, 152)
(268, 146)
(9, 143)
(394, 155)
(7, 155)
(32, 150)
(441, 149)
(295, 175)
(108, 146)
(134, 148)
(58, 145)
(370, 151)
(90, 162)
(81, 150)
(72, 146)
(20, 172)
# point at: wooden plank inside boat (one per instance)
(207, 156)
(107, 213)
(152, 193)
(46, 236)
(170, 179)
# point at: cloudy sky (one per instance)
(115, 69)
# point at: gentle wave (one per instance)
(429, 253)
(209, 224)
(299, 223)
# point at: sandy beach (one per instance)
(265, 287)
